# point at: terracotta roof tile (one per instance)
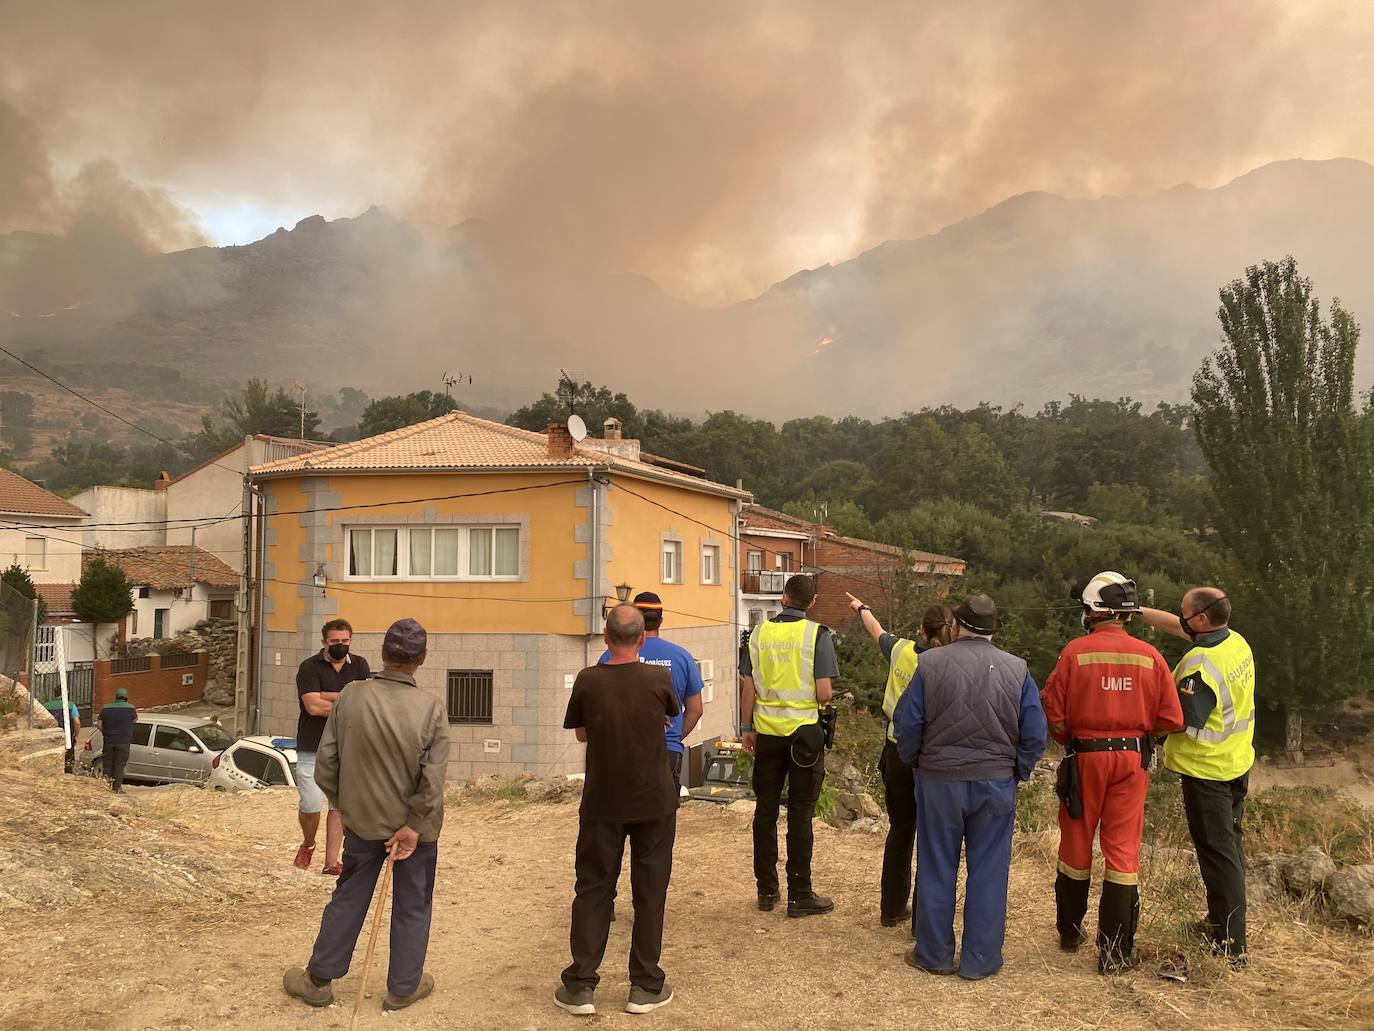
(164, 567)
(460, 441)
(58, 598)
(19, 496)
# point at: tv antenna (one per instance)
(298, 385)
(451, 380)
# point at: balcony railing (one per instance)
(764, 581)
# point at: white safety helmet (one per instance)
(1109, 591)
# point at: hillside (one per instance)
(1033, 299)
(178, 909)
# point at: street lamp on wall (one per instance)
(622, 593)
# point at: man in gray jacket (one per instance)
(381, 763)
(971, 724)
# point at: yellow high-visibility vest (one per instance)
(901, 669)
(784, 659)
(1225, 748)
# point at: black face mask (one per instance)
(338, 652)
(1183, 622)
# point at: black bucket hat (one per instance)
(979, 614)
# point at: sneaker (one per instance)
(299, 985)
(767, 900)
(400, 1002)
(304, 856)
(1175, 968)
(644, 1001)
(579, 1003)
(912, 961)
(332, 871)
(893, 921)
(809, 905)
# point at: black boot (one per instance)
(1117, 917)
(1070, 906)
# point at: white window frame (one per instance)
(673, 548)
(464, 552)
(38, 559)
(711, 553)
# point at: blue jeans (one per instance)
(412, 903)
(978, 816)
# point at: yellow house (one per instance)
(506, 545)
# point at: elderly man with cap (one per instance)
(382, 763)
(971, 724)
(116, 724)
(678, 661)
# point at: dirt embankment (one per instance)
(177, 909)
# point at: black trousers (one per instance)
(412, 904)
(675, 764)
(1216, 810)
(600, 851)
(898, 884)
(773, 765)
(115, 758)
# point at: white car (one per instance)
(255, 762)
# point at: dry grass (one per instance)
(178, 909)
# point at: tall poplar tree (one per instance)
(1290, 454)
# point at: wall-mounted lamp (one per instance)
(320, 580)
(622, 593)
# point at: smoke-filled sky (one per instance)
(713, 146)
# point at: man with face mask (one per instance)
(319, 680)
(1214, 751)
(1106, 698)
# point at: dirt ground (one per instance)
(178, 909)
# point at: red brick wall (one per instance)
(862, 573)
(156, 686)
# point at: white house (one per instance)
(123, 517)
(174, 588)
(39, 531)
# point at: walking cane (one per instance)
(372, 940)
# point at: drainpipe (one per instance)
(259, 603)
(594, 555)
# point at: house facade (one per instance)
(39, 531)
(506, 545)
(174, 588)
(775, 545)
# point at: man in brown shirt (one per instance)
(620, 709)
(381, 763)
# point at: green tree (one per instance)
(257, 408)
(594, 404)
(1120, 503)
(391, 413)
(16, 423)
(17, 578)
(102, 596)
(1291, 470)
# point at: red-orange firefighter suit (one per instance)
(1106, 698)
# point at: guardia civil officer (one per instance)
(971, 723)
(899, 786)
(1106, 699)
(1214, 751)
(784, 680)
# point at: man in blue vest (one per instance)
(678, 661)
(784, 680)
(971, 723)
(116, 722)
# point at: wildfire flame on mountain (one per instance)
(822, 344)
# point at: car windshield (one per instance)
(214, 737)
(724, 771)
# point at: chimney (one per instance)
(161, 482)
(560, 441)
(611, 431)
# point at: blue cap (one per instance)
(405, 639)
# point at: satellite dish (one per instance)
(577, 428)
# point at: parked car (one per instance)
(255, 762)
(167, 748)
(723, 778)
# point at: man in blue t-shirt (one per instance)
(73, 719)
(686, 679)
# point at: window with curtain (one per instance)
(434, 552)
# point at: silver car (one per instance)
(167, 749)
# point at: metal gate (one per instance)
(46, 683)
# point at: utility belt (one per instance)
(1066, 779)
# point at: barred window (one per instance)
(469, 696)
